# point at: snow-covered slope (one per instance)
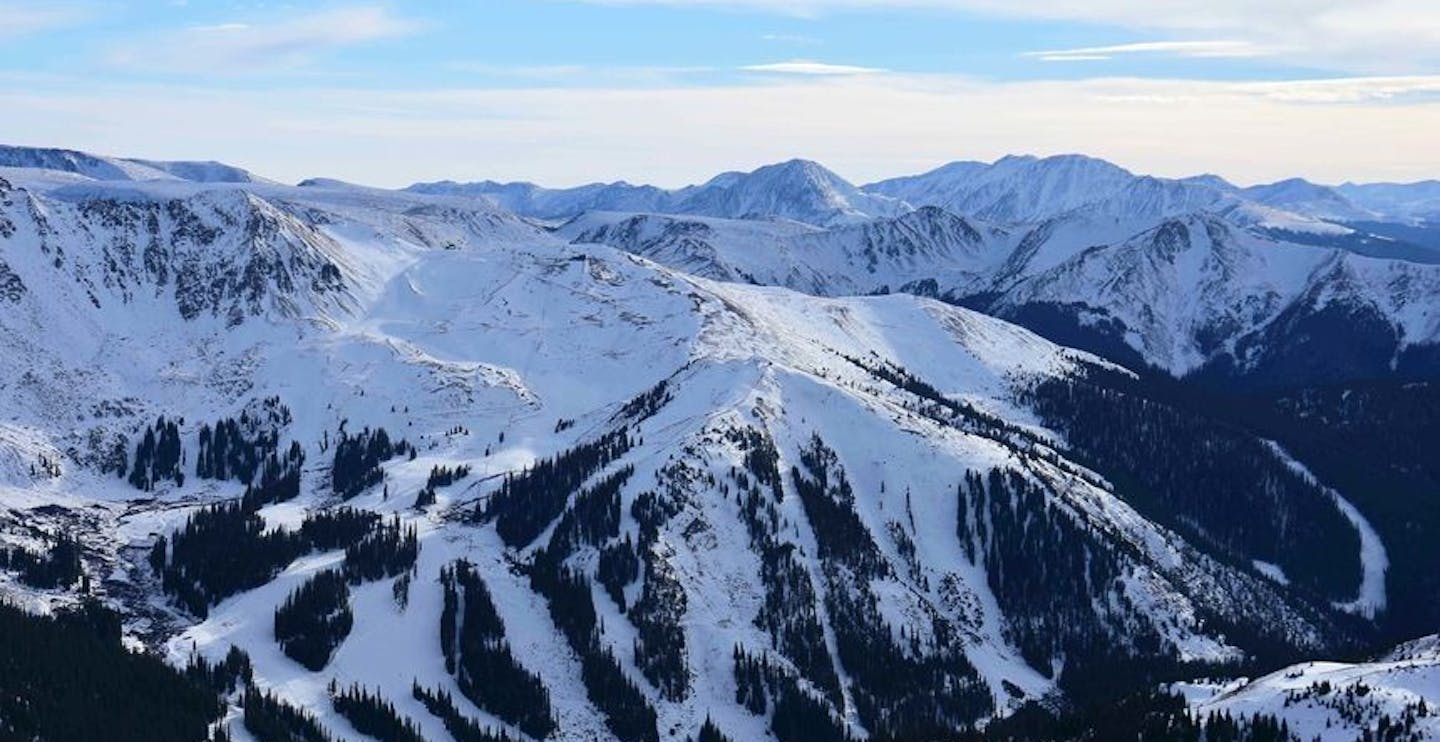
(852, 488)
(1392, 696)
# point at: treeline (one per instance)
(356, 467)
(529, 501)
(942, 408)
(59, 566)
(472, 639)
(644, 405)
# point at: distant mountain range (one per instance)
(771, 457)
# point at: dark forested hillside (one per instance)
(68, 678)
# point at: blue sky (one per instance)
(670, 91)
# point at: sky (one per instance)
(670, 92)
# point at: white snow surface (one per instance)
(1335, 700)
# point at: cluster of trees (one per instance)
(268, 719)
(464, 729)
(617, 567)
(314, 619)
(1204, 477)
(158, 456)
(358, 458)
(1149, 715)
(709, 732)
(799, 716)
(760, 459)
(830, 506)
(660, 639)
(440, 476)
(387, 550)
(472, 639)
(221, 550)
(595, 516)
(279, 479)
(528, 502)
(645, 404)
(372, 715)
(226, 548)
(59, 566)
(906, 692)
(940, 407)
(628, 714)
(68, 676)
(237, 449)
(790, 614)
(1047, 572)
(659, 648)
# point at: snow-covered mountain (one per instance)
(546, 203)
(99, 167)
(680, 498)
(798, 190)
(1301, 196)
(928, 246)
(1407, 202)
(1024, 189)
(1247, 292)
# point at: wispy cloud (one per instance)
(1198, 49)
(1360, 35)
(22, 18)
(792, 39)
(811, 69)
(1346, 90)
(239, 48)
